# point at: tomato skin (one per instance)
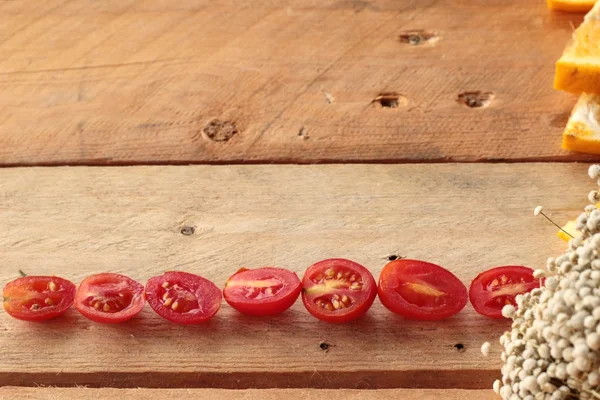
(318, 286)
(197, 298)
(38, 298)
(114, 291)
(420, 290)
(489, 298)
(263, 302)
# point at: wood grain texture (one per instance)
(137, 81)
(19, 393)
(75, 221)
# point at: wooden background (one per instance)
(138, 81)
(127, 92)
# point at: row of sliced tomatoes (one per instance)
(334, 290)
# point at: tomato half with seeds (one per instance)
(38, 298)
(183, 298)
(497, 287)
(338, 290)
(421, 290)
(110, 298)
(263, 291)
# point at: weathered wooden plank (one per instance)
(126, 82)
(74, 221)
(19, 393)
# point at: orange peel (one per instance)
(578, 69)
(571, 5)
(582, 133)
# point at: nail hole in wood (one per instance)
(303, 134)
(418, 37)
(461, 348)
(393, 257)
(475, 99)
(220, 131)
(325, 346)
(390, 100)
(188, 230)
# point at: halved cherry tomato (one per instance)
(183, 298)
(109, 298)
(497, 287)
(338, 290)
(263, 291)
(421, 290)
(38, 298)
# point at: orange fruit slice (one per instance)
(570, 228)
(578, 69)
(582, 133)
(571, 5)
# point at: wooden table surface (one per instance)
(104, 103)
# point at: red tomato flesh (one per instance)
(497, 287)
(38, 298)
(183, 298)
(263, 291)
(421, 290)
(338, 290)
(109, 298)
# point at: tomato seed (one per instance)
(165, 285)
(175, 306)
(52, 286)
(48, 301)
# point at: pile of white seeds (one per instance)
(552, 351)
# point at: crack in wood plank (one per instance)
(372, 379)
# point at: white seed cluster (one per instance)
(553, 349)
(485, 349)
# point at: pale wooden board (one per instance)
(78, 221)
(18, 393)
(136, 81)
